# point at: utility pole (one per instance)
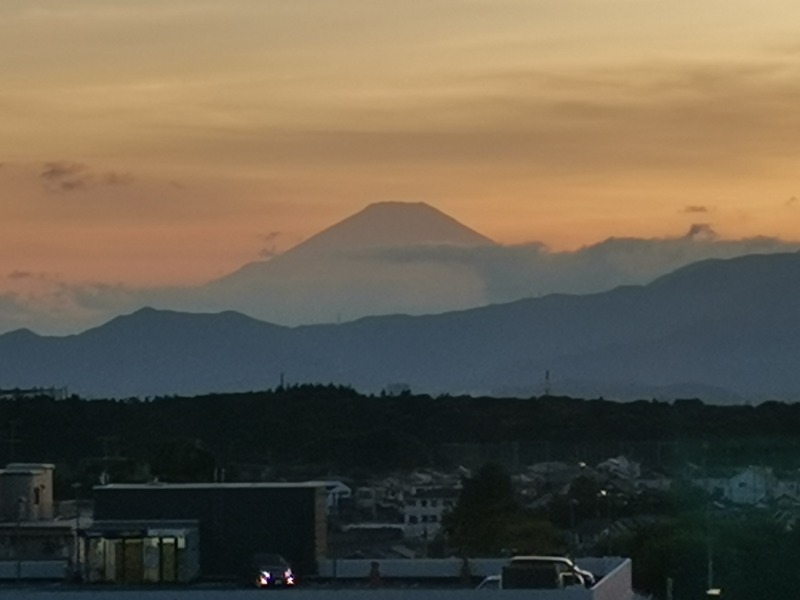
(17, 550)
(710, 580)
(76, 550)
(709, 544)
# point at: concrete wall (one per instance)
(426, 568)
(444, 568)
(615, 583)
(55, 570)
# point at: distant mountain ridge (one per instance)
(411, 258)
(725, 328)
(389, 258)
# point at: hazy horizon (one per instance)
(409, 258)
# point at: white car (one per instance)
(492, 582)
(565, 571)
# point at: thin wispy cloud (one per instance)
(114, 178)
(695, 208)
(18, 275)
(639, 119)
(65, 176)
(270, 249)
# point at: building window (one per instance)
(412, 519)
(37, 493)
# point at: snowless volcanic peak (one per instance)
(393, 224)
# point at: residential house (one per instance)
(425, 507)
(753, 485)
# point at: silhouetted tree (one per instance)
(182, 461)
(479, 523)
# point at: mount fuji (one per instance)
(381, 260)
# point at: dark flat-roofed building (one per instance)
(235, 520)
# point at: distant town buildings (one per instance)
(424, 509)
(752, 486)
(170, 533)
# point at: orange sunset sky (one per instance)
(171, 141)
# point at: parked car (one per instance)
(531, 572)
(490, 582)
(559, 571)
(269, 571)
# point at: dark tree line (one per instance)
(336, 429)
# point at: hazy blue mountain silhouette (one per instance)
(343, 272)
(724, 329)
(389, 258)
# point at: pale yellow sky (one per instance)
(165, 140)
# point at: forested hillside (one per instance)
(308, 431)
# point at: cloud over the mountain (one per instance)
(519, 271)
(46, 304)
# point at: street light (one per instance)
(607, 496)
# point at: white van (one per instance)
(545, 572)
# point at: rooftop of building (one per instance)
(159, 485)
